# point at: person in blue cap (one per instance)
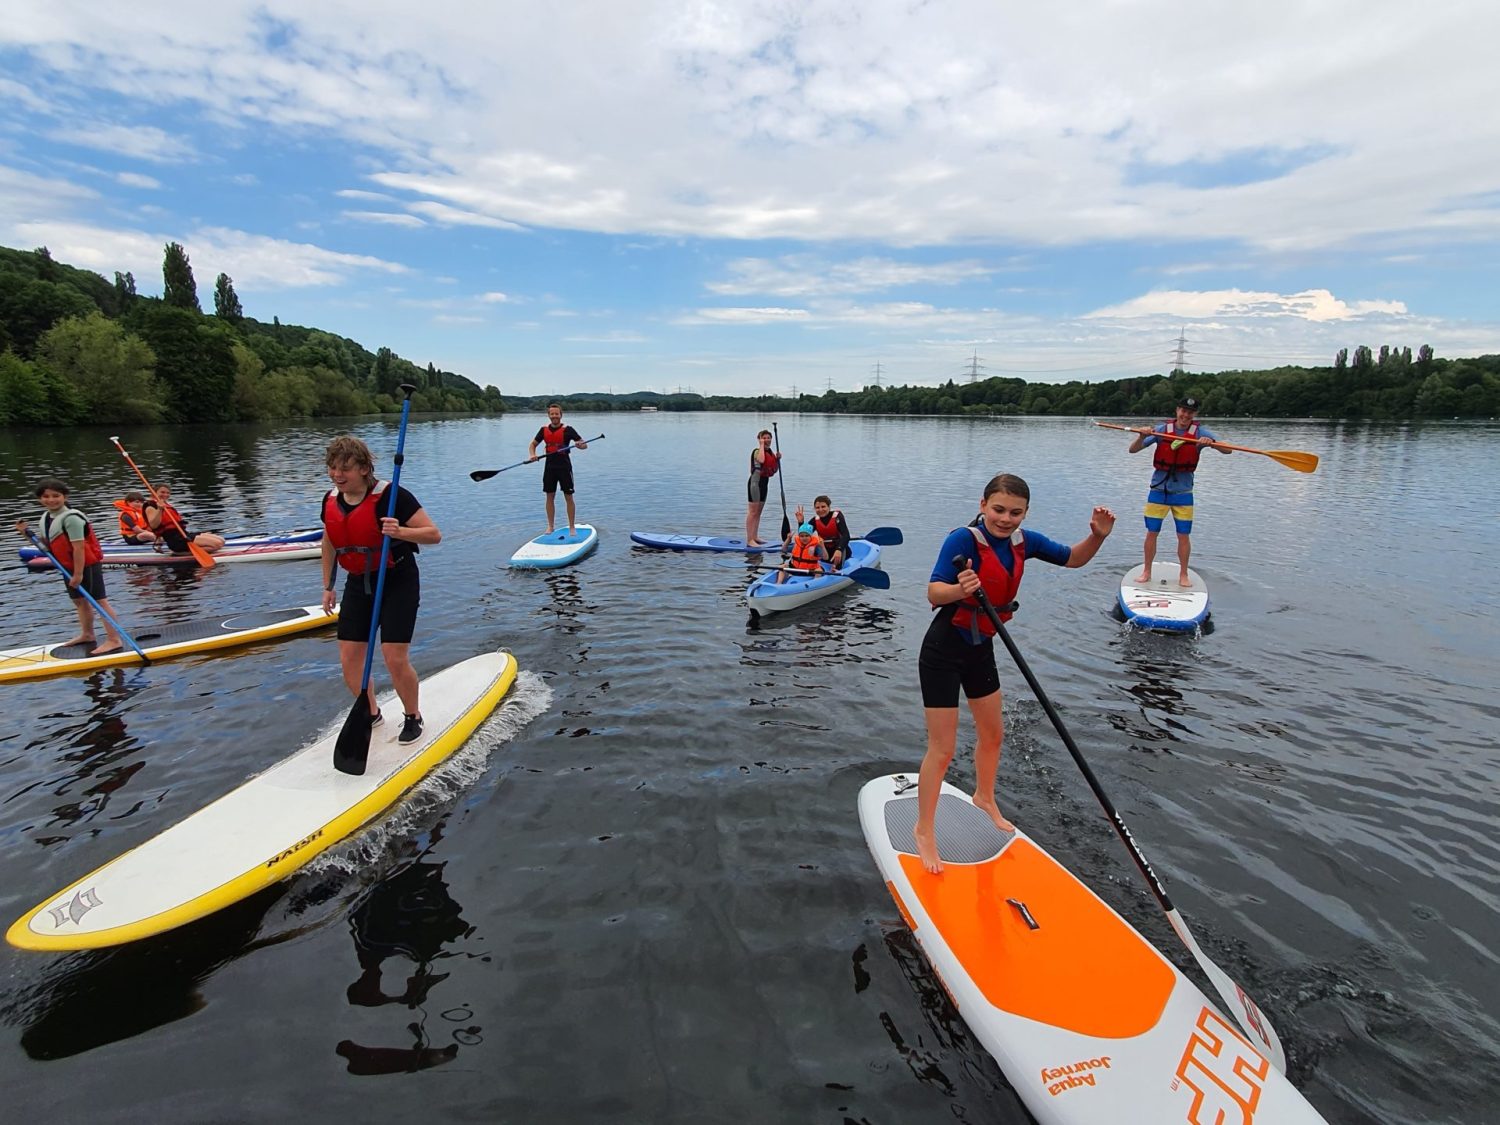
(1174, 462)
(804, 553)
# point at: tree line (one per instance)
(75, 348)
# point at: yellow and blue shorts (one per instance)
(1180, 504)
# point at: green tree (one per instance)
(178, 287)
(111, 370)
(23, 395)
(226, 302)
(194, 363)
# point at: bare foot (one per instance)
(994, 811)
(754, 543)
(1145, 576)
(105, 650)
(79, 640)
(928, 851)
(1184, 581)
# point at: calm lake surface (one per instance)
(642, 893)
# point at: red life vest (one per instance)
(805, 554)
(554, 438)
(62, 547)
(355, 535)
(132, 519)
(828, 530)
(767, 468)
(171, 518)
(1000, 585)
(1183, 459)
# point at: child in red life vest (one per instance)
(354, 525)
(67, 533)
(804, 551)
(958, 650)
(763, 466)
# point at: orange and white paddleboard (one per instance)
(1089, 1022)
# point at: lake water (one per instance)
(642, 894)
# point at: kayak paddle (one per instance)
(352, 750)
(864, 575)
(485, 474)
(883, 536)
(1291, 458)
(200, 556)
(124, 636)
(1262, 1035)
(786, 522)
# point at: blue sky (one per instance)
(745, 197)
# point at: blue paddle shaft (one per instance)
(124, 636)
(385, 548)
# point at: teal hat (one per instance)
(805, 529)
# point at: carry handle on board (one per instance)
(1261, 1034)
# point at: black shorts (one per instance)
(93, 582)
(758, 488)
(557, 473)
(398, 606)
(948, 662)
(176, 542)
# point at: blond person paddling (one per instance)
(353, 527)
(958, 652)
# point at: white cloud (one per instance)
(748, 316)
(137, 180)
(385, 218)
(1316, 305)
(494, 298)
(142, 142)
(803, 275)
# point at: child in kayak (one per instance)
(66, 532)
(804, 551)
(958, 650)
(828, 523)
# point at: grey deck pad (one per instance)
(965, 834)
(149, 638)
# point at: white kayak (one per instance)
(269, 827)
(766, 595)
(557, 548)
(1162, 603)
(1089, 1022)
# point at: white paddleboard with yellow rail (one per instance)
(269, 827)
(1089, 1022)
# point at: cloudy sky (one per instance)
(747, 196)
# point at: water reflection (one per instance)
(409, 915)
(1155, 669)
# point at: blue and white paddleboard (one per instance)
(666, 541)
(557, 548)
(1162, 603)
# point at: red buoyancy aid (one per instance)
(554, 438)
(805, 554)
(171, 518)
(1000, 585)
(768, 466)
(828, 530)
(62, 547)
(132, 519)
(1183, 459)
(355, 535)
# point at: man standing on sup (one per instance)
(558, 471)
(1172, 480)
(354, 523)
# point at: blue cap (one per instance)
(805, 529)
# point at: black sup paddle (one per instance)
(486, 474)
(786, 521)
(352, 750)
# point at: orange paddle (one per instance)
(202, 557)
(1302, 462)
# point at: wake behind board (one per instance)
(557, 548)
(269, 827)
(1089, 1022)
(666, 541)
(166, 641)
(1161, 603)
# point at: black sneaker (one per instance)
(376, 720)
(411, 729)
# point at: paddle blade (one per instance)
(352, 750)
(202, 557)
(1292, 459)
(884, 536)
(484, 474)
(869, 576)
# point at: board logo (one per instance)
(294, 849)
(1061, 1079)
(74, 909)
(1224, 1073)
